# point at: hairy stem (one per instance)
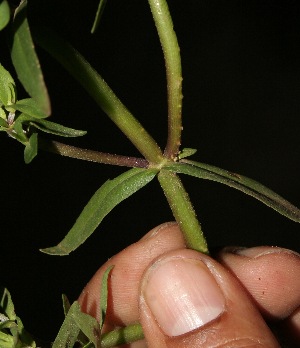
(183, 210)
(94, 84)
(91, 155)
(171, 50)
(124, 335)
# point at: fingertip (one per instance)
(187, 297)
(267, 273)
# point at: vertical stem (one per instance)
(171, 50)
(183, 210)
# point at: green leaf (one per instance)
(26, 61)
(76, 322)
(3, 122)
(66, 304)
(7, 87)
(69, 331)
(19, 133)
(186, 152)
(110, 194)
(31, 148)
(29, 107)
(57, 129)
(6, 304)
(99, 14)
(24, 336)
(6, 341)
(89, 326)
(4, 14)
(8, 324)
(239, 182)
(104, 295)
(49, 127)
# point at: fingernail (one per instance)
(182, 295)
(256, 252)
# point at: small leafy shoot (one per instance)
(12, 331)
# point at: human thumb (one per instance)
(189, 300)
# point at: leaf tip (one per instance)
(56, 250)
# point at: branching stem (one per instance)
(95, 85)
(91, 155)
(171, 50)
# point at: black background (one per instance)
(241, 111)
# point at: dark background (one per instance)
(241, 111)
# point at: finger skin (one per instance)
(270, 275)
(130, 264)
(241, 325)
(124, 287)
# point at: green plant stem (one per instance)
(94, 84)
(183, 210)
(124, 335)
(171, 50)
(91, 155)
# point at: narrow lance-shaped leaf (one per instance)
(69, 331)
(29, 107)
(239, 182)
(6, 304)
(4, 14)
(98, 16)
(66, 304)
(110, 194)
(31, 148)
(26, 61)
(104, 294)
(49, 127)
(89, 326)
(57, 129)
(7, 87)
